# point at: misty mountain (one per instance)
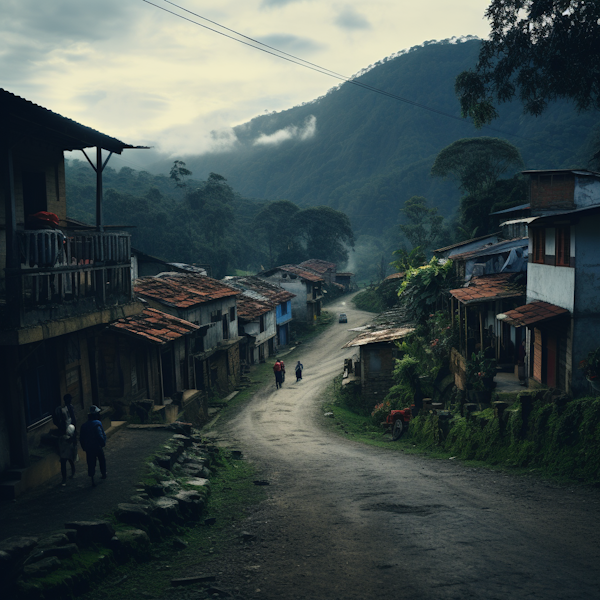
(365, 154)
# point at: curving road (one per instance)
(350, 521)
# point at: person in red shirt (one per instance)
(277, 369)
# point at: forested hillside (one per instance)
(369, 153)
(353, 150)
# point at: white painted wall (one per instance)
(555, 285)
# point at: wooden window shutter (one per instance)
(539, 245)
(563, 246)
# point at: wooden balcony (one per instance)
(64, 274)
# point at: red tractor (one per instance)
(398, 421)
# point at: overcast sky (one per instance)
(142, 75)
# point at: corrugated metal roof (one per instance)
(154, 326)
(459, 244)
(490, 249)
(489, 287)
(512, 209)
(382, 335)
(18, 115)
(396, 275)
(182, 290)
(534, 312)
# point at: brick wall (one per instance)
(552, 191)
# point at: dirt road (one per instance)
(350, 521)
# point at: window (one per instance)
(284, 309)
(225, 328)
(563, 246)
(262, 323)
(538, 236)
(215, 316)
(232, 314)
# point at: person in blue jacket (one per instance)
(93, 439)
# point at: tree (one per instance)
(423, 226)
(178, 173)
(540, 50)
(326, 233)
(274, 221)
(408, 260)
(476, 163)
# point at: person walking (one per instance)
(299, 368)
(93, 440)
(67, 451)
(278, 373)
(282, 372)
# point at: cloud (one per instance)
(305, 132)
(291, 43)
(269, 3)
(348, 18)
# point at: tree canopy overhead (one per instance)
(539, 50)
(477, 163)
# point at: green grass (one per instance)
(232, 492)
(368, 300)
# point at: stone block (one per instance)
(62, 552)
(134, 542)
(167, 510)
(56, 539)
(184, 439)
(134, 514)
(191, 504)
(92, 532)
(42, 567)
(13, 552)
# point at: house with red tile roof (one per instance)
(145, 364)
(304, 283)
(210, 304)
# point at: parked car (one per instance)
(343, 318)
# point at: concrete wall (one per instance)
(281, 317)
(587, 191)
(377, 367)
(295, 286)
(555, 285)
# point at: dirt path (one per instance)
(350, 521)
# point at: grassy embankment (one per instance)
(554, 440)
(368, 300)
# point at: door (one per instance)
(551, 358)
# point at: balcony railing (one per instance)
(91, 269)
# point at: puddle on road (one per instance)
(405, 509)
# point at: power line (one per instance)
(314, 67)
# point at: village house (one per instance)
(306, 285)
(373, 367)
(340, 282)
(257, 325)
(275, 296)
(562, 314)
(59, 285)
(211, 305)
(146, 366)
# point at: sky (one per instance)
(142, 75)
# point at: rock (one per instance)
(165, 461)
(167, 510)
(218, 592)
(184, 439)
(247, 537)
(134, 514)
(62, 552)
(13, 552)
(261, 482)
(191, 503)
(42, 567)
(329, 415)
(56, 539)
(237, 454)
(139, 499)
(134, 542)
(199, 483)
(179, 544)
(92, 532)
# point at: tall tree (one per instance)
(540, 50)
(477, 164)
(275, 222)
(423, 227)
(326, 232)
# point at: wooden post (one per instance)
(99, 223)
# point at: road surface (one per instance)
(350, 521)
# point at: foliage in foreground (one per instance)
(562, 441)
